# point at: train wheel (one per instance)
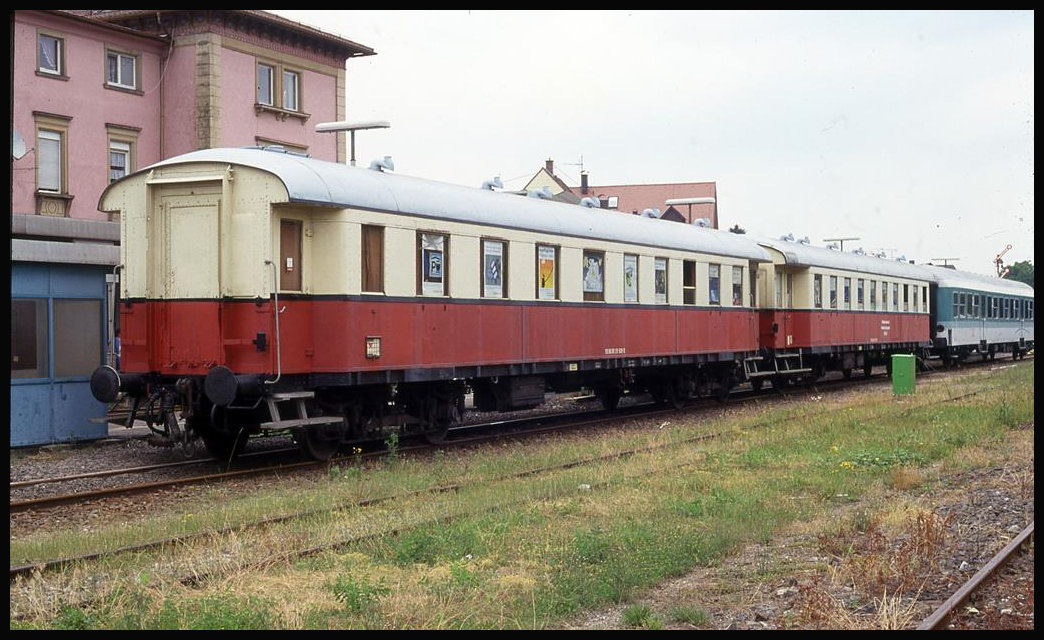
(224, 445)
(609, 396)
(318, 443)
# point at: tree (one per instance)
(737, 229)
(1021, 271)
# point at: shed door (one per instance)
(290, 255)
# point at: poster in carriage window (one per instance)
(593, 272)
(432, 264)
(630, 268)
(545, 273)
(660, 278)
(492, 269)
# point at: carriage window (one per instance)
(895, 296)
(976, 309)
(737, 286)
(848, 293)
(660, 280)
(906, 297)
(290, 251)
(372, 259)
(924, 298)
(594, 275)
(779, 289)
(790, 290)
(859, 293)
(1029, 309)
(688, 282)
(833, 292)
(494, 266)
(547, 272)
(630, 277)
(714, 283)
(884, 296)
(817, 291)
(432, 266)
(873, 295)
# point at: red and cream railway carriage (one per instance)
(263, 290)
(824, 310)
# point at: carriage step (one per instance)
(301, 422)
(760, 374)
(293, 395)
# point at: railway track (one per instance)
(946, 611)
(459, 436)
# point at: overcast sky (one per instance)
(910, 130)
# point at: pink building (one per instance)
(98, 94)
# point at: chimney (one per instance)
(549, 166)
(583, 183)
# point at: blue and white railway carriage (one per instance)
(980, 314)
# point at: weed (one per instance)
(357, 596)
(640, 616)
(691, 615)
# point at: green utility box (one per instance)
(904, 370)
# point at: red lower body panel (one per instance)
(329, 336)
(793, 329)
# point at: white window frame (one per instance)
(121, 82)
(271, 84)
(59, 63)
(291, 99)
(43, 160)
(124, 149)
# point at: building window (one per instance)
(433, 249)
(494, 268)
(817, 291)
(688, 282)
(290, 90)
(833, 292)
(660, 280)
(372, 259)
(29, 338)
(714, 283)
(737, 286)
(122, 70)
(848, 293)
(50, 161)
(278, 88)
(50, 57)
(594, 275)
(119, 160)
(547, 272)
(630, 277)
(265, 84)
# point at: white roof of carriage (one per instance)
(805, 255)
(321, 182)
(955, 279)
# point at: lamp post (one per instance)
(351, 127)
